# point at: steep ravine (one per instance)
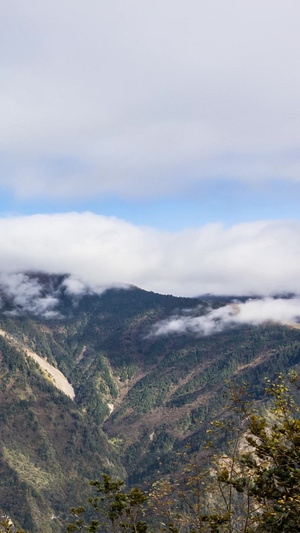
(52, 373)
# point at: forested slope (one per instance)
(139, 398)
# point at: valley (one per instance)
(92, 390)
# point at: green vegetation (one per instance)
(48, 449)
(139, 399)
(252, 489)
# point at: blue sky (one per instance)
(228, 202)
(171, 115)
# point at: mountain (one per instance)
(139, 395)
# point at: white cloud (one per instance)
(261, 258)
(141, 99)
(74, 287)
(253, 312)
(27, 294)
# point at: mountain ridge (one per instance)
(139, 397)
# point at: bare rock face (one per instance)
(50, 372)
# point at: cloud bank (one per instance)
(253, 312)
(40, 295)
(261, 258)
(27, 295)
(142, 99)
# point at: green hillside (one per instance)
(138, 398)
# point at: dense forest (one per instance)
(251, 486)
(140, 399)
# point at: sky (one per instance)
(152, 143)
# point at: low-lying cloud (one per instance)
(36, 294)
(26, 294)
(252, 312)
(261, 258)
